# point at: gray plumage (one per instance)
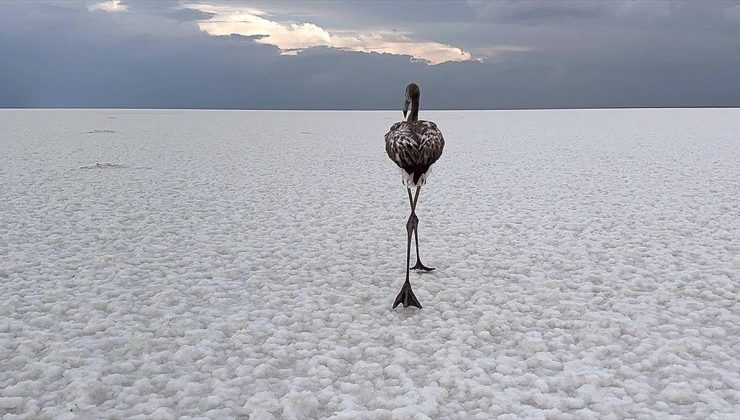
(414, 146)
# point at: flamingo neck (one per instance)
(414, 114)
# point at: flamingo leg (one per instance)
(406, 295)
(419, 265)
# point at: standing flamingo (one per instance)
(414, 146)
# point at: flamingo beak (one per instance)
(405, 107)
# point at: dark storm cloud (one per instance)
(570, 54)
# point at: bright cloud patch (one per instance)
(294, 37)
(108, 6)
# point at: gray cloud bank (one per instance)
(567, 54)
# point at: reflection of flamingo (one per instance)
(414, 146)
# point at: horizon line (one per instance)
(366, 109)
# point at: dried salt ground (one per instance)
(227, 264)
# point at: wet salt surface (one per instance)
(243, 264)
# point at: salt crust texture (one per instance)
(225, 264)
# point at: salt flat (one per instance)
(229, 264)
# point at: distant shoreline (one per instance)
(360, 110)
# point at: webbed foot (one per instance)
(420, 266)
(406, 297)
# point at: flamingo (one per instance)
(414, 145)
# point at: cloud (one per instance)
(292, 38)
(496, 51)
(59, 54)
(110, 6)
(643, 10)
(540, 11)
(732, 12)
(528, 10)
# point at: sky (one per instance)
(231, 54)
